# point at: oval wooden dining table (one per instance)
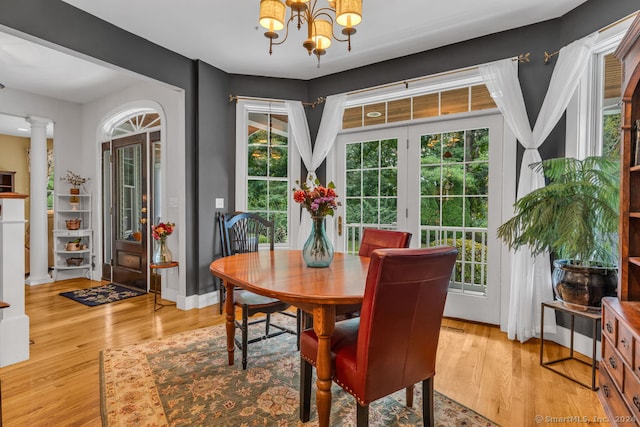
(322, 292)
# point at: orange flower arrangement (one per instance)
(319, 200)
(162, 230)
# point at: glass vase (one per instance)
(318, 249)
(161, 252)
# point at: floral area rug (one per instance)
(101, 294)
(184, 380)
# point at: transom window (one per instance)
(441, 103)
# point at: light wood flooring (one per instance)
(59, 385)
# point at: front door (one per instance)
(129, 211)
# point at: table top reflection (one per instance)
(283, 274)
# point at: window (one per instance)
(593, 116)
(422, 106)
(267, 165)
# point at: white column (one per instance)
(14, 323)
(38, 244)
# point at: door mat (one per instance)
(103, 294)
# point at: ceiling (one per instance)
(229, 38)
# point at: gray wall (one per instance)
(210, 117)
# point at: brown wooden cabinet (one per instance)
(7, 182)
(629, 275)
(619, 375)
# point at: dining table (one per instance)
(320, 292)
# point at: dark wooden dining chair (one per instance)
(392, 345)
(241, 233)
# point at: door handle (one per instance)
(340, 225)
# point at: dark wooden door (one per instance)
(129, 211)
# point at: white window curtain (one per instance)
(330, 125)
(531, 276)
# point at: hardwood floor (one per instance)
(59, 385)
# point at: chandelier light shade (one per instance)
(348, 12)
(319, 21)
(321, 35)
(272, 14)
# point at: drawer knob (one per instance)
(605, 391)
(609, 327)
(624, 343)
(636, 402)
(613, 362)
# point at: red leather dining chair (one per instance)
(242, 233)
(372, 239)
(392, 345)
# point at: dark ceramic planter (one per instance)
(582, 288)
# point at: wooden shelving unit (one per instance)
(619, 375)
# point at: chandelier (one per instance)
(319, 21)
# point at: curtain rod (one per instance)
(548, 56)
(523, 57)
(313, 104)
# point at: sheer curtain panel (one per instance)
(531, 276)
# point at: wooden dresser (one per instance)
(619, 374)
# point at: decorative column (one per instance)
(38, 244)
(14, 323)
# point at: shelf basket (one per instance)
(74, 261)
(73, 224)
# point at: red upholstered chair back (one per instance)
(400, 318)
(373, 239)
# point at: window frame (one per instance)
(583, 136)
(243, 108)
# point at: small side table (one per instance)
(154, 267)
(595, 317)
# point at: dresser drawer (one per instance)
(613, 363)
(609, 324)
(632, 392)
(625, 343)
(612, 401)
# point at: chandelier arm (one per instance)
(325, 12)
(286, 33)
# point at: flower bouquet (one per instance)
(319, 201)
(160, 232)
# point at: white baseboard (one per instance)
(197, 301)
(581, 343)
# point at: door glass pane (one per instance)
(106, 207)
(130, 192)
(371, 188)
(156, 182)
(454, 204)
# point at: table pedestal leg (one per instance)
(324, 324)
(229, 308)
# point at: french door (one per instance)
(443, 182)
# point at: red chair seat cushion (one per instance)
(344, 344)
(345, 335)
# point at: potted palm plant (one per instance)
(575, 217)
